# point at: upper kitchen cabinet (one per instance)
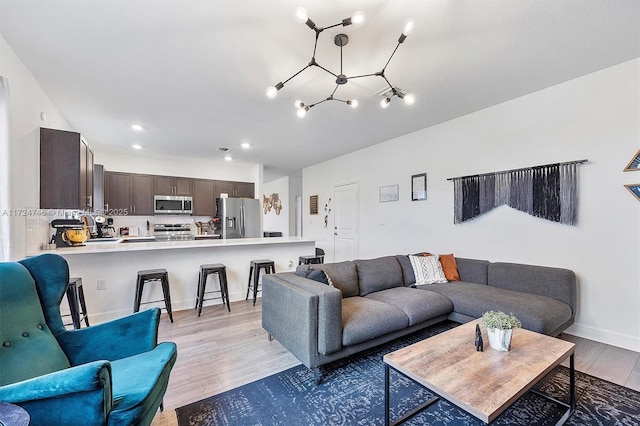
(128, 194)
(234, 189)
(169, 185)
(66, 171)
(204, 202)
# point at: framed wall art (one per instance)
(419, 187)
(634, 164)
(634, 188)
(389, 193)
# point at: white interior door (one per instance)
(345, 232)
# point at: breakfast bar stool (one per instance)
(254, 269)
(77, 306)
(317, 259)
(153, 275)
(205, 271)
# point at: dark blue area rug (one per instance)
(352, 393)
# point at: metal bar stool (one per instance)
(205, 271)
(77, 306)
(153, 275)
(317, 259)
(254, 269)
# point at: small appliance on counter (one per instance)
(104, 227)
(172, 232)
(69, 232)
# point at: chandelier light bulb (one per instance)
(358, 18)
(301, 112)
(272, 92)
(301, 15)
(385, 102)
(298, 104)
(353, 103)
(408, 27)
(409, 99)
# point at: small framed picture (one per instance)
(389, 193)
(634, 188)
(634, 164)
(419, 187)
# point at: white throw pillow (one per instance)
(427, 269)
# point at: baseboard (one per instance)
(609, 337)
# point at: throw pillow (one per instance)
(427, 269)
(450, 267)
(306, 271)
(318, 275)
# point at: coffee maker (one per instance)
(76, 236)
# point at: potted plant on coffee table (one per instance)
(499, 329)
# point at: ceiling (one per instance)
(194, 72)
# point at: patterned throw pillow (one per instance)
(427, 269)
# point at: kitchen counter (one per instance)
(109, 268)
(144, 245)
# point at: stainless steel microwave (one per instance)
(171, 204)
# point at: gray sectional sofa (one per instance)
(370, 302)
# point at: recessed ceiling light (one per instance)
(136, 146)
(228, 158)
(245, 145)
(137, 127)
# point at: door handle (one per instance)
(335, 233)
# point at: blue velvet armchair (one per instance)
(113, 373)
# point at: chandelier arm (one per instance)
(333, 26)
(315, 45)
(334, 91)
(304, 68)
(321, 67)
(319, 102)
(393, 53)
(364, 75)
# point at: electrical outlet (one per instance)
(290, 264)
(102, 284)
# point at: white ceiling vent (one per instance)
(223, 148)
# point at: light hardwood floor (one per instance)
(222, 350)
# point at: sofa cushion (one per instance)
(418, 305)
(427, 269)
(343, 276)
(365, 319)
(378, 274)
(553, 282)
(537, 313)
(408, 276)
(473, 270)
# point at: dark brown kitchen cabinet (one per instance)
(142, 195)
(128, 194)
(234, 189)
(66, 170)
(204, 202)
(170, 185)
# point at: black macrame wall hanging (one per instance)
(549, 192)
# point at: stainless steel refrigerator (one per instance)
(239, 217)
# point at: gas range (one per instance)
(172, 232)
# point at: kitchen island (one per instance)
(109, 269)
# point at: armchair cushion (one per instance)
(24, 334)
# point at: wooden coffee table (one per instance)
(484, 384)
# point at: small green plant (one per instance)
(500, 320)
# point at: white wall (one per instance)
(27, 102)
(150, 163)
(273, 222)
(595, 117)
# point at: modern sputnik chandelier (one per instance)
(342, 40)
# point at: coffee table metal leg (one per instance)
(571, 406)
(387, 415)
(386, 395)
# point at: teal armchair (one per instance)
(113, 373)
